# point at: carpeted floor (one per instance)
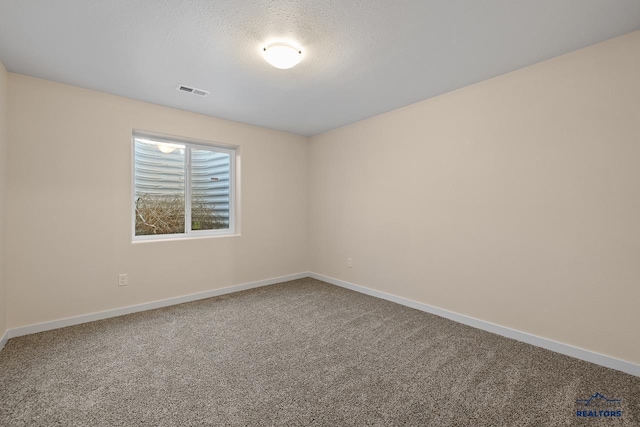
(298, 353)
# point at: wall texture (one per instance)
(70, 205)
(3, 194)
(515, 201)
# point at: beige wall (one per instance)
(3, 195)
(515, 201)
(69, 210)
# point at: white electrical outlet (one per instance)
(123, 280)
(349, 263)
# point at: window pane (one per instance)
(159, 187)
(209, 190)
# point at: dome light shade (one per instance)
(168, 148)
(163, 147)
(282, 55)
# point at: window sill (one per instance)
(178, 238)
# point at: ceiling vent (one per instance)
(193, 90)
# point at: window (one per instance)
(181, 189)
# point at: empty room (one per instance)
(319, 213)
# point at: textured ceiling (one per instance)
(361, 57)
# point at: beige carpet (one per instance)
(298, 353)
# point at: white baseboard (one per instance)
(558, 347)
(4, 339)
(91, 317)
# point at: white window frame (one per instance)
(231, 150)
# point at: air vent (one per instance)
(193, 90)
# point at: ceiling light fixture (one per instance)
(168, 148)
(282, 55)
(163, 147)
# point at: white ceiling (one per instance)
(361, 57)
